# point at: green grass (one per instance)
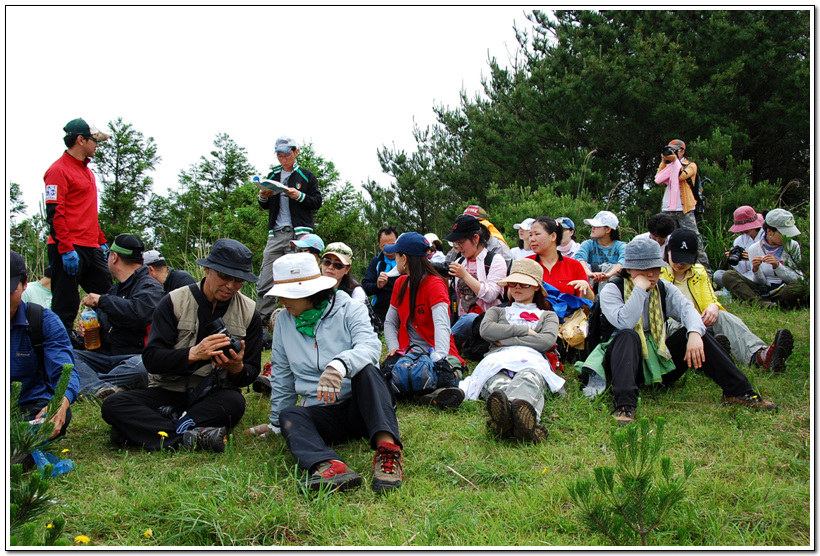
(750, 487)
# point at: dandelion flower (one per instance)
(50, 526)
(82, 538)
(163, 434)
(64, 450)
(544, 471)
(148, 533)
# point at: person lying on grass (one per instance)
(636, 350)
(325, 350)
(691, 279)
(515, 373)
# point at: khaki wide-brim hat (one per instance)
(296, 275)
(525, 271)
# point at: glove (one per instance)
(330, 384)
(71, 263)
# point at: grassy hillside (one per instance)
(750, 487)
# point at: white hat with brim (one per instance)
(296, 275)
(525, 224)
(783, 221)
(604, 218)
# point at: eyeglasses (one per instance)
(519, 286)
(460, 244)
(90, 138)
(228, 278)
(284, 155)
(328, 262)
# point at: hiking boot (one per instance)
(774, 357)
(444, 398)
(750, 399)
(205, 438)
(624, 415)
(524, 419)
(261, 383)
(334, 473)
(498, 406)
(539, 433)
(106, 390)
(767, 304)
(386, 467)
(724, 342)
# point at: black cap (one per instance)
(465, 226)
(17, 268)
(128, 246)
(683, 244)
(232, 258)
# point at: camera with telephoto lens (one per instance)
(442, 268)
(735, 255)
(218, 327)
(669, 150)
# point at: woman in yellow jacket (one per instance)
(693, 281)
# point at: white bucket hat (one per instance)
(296, 275)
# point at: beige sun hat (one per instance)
(525, 271)
(296, 275)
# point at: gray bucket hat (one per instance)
(232, 258)
(643, 253)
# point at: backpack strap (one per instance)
(34, 315)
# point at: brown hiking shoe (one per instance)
(750, 399)
(525, 421)
(444, 398)
(774, 357)
(624, 415)
(334, 473)
(386, 467)
(205, 438)
(500, 422)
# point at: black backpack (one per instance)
(697, 190)
(34, 315)
(599, 329)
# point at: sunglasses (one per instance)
(521, 286)
(328, 262)
(228, 278)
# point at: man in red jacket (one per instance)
(75, 241)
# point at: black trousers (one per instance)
(624, 365)
(30, 409)
(134, 413)
(309, 430)
(93, 276)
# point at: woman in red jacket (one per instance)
(418, 320)
(566, 274)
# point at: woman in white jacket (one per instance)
(325, 350)
(515, 372)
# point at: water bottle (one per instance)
(91, 328)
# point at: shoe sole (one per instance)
(380, 486)
(756, 406)
(783, 346)
(498, 406)
(445, 398)
(261, 386)
(524, 420)
(339, 483)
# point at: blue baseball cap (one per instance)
(309, 241)
(566, 222)
(410, 243)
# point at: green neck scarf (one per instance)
(306, 322)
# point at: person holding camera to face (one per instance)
(205, 343)
(679, 174)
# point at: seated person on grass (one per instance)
(636, 349)
(39, 372)
(515, 373)
(602, 255)
(195, 369)
(326, 353)
(693, 281)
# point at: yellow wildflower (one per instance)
(148, 533)
(64, 450)
(82, 538)
(163, 434)
(544, 471)
(50, 526)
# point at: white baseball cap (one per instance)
(603, 218)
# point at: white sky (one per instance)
(349, 79)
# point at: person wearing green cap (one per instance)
(74, 235)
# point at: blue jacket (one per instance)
(343, 334)
(24, 366)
